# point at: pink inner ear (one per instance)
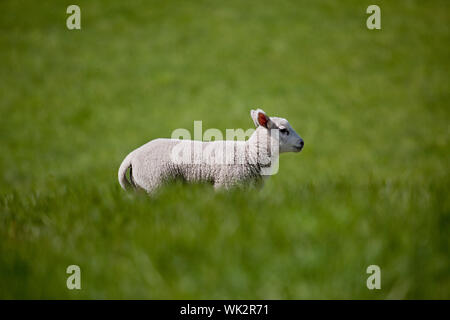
(262, 119)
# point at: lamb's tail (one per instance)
(122, 174)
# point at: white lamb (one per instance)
(222, 163)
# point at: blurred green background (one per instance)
(370, 187)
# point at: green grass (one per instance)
(370, 187)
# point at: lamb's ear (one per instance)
(254, 116)
(260, 118)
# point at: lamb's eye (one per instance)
(284, 131)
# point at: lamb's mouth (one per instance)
(299, 147)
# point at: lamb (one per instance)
(222, 163)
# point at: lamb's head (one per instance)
(289, 140)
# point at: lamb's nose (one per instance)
(301, 143)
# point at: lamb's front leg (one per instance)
(229, 181)
(221, 185)
(224, 182)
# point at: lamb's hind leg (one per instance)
(218, 186)
(223, 184)
(147, 181)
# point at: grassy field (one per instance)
(370, 187)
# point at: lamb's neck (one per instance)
(259, 148)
